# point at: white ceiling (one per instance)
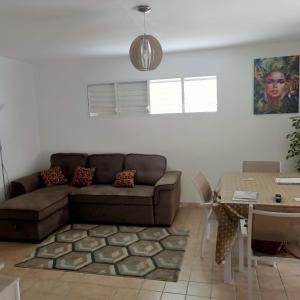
(44, 29)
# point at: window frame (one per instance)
(147, 82)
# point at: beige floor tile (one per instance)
(241, 294)
(199, 289)
(26, 283)
(218, 276)
(43, 296)
(149, 295)
(241, 280)
(125, 294)
(222, 290)
(291, 283)
(273, 295)
(43, 286)
(84, 290)
(169, 296)
(292, 295)
(201, 276)
(179, 287)
(196, 298)
(35, 296)
(132, 283)
(154, 285)
(270, 282)
(266, 270)
(288, 269)
(45, 274)
(184, 275)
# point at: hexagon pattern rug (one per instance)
(148, 252)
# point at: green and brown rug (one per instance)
(148, 252)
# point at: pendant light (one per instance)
(145, 51)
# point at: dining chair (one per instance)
(258, 166)
(207, 198)
(275, 226)
(261, 166)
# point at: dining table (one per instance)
(230, 211)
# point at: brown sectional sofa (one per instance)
(34, 211)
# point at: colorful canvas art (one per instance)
(276, 85)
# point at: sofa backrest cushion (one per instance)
(68, 162)
(149, 168)
(107, 166)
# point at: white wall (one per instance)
(211, 142)
(18, 119)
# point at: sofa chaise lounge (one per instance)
(35, 211)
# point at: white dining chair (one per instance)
(206, 198)
(272, 226)
(261, 166)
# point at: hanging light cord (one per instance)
(144, 23)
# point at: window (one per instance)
(164, 96)
(200, 94)
(132, 97)
(101, 99)
(118, 98)
(183, 95)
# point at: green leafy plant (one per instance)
(294, 140)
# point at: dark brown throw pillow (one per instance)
(125, 179)
(83, 176)
(53, 176)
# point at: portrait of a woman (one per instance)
(276, 85)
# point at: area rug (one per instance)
(148, 252)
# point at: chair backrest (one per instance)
(282, 225)
(261, 166)
(203, 188)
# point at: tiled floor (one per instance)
(200, 279)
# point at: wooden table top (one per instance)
(263, 183)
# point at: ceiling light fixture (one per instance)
(145, 51)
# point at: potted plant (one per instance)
(294, 140)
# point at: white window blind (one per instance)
(101, 99)
(165, 96)
(132, 97)
(121, 98)
(200, 94)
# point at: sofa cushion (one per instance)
(53, 176)
(149, 168)
(36, 205)
(107, 166)
(108, 194)
(125, 179)
(68, 162)
(83, 176)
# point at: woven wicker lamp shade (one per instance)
(145, 53)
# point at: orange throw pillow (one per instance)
(125, 179)
(83, 176)
(53, 176)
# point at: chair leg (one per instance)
(241, 251)
(203, 236)
(208, 231)
(227, 269)
(250, 279)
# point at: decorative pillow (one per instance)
(53, 176)
(83, 176)
(125, 179)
